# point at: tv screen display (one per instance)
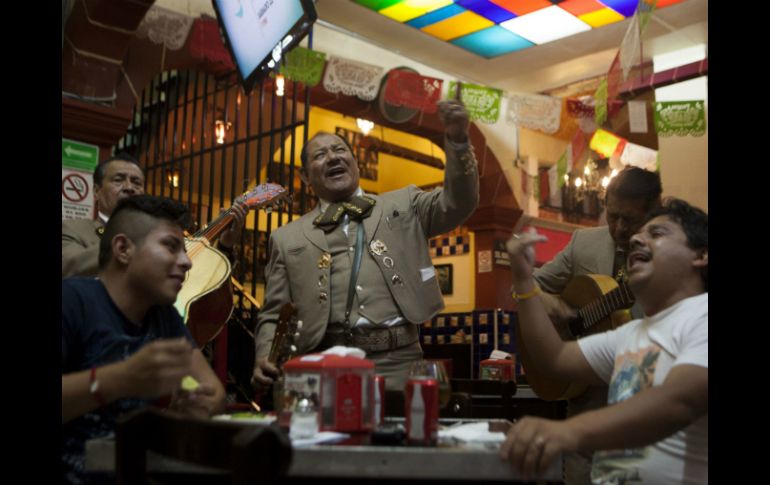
(258, 32)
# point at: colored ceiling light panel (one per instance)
(546, 25)
(492, 42)
(456, 26)
(436, 16)
(580, 7)
(487, 9)
(521, 7)
(409, 9)
(601, 17)
(376, 4)
(491, 28)
(625, 8)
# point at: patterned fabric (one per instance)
(357, 208)
(482, 103)
(304, 65)
(352, 78)
(534, 111)
(163, 26)
(404, 88)
(680, 118)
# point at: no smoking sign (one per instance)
(74, 187)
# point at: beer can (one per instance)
(421, 411)
(379, 400)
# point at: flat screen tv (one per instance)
(259, 32)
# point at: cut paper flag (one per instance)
(352, 78)
(534, 111)
(413, 90)
(304, 65)
(606, 144)
(639, 156)
(631, 48)
(482, 103)
(637, 116)
(680, 118)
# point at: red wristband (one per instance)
(94, 388)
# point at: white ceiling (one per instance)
(536, 69)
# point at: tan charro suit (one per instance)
(80, 247)
(402, 220)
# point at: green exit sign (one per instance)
(81, 156)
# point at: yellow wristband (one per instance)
(525, 296)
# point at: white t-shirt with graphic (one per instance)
(635, 357)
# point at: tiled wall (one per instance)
(479, 328)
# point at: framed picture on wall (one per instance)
(444, 276)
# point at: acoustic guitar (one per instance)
(283, 348)
(602, 305)
(206, 299)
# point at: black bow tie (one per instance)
(357, 208)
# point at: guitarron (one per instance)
(602, 305)
(206, 299)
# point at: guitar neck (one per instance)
(213, 230)
(596, 311)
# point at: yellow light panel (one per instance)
(601, 17)
(453, 27)
(410, 9)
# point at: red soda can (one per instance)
(421, 411)
(379, 400)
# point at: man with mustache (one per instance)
(357, 266)
(115, 179)
(654, 428)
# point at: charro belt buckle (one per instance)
(393, 338)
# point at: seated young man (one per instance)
(655, 426)
(123, 342)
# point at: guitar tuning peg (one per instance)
(296, 335)
(299, 324)
(293, 348)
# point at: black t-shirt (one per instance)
(94, 332)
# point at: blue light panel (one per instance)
(492, 42)
(435, 16)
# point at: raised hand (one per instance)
(454, 117)
(522, 252)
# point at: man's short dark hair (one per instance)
(636, 183)
(694, 223)
(118, 157)
(303, 152)
(136, 216)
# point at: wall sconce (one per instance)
(220, 129)
(173, 177)
(365, 126)
(584, 196)
(280, 82)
